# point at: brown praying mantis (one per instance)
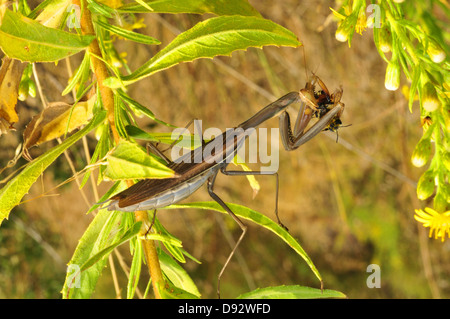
(191, 172)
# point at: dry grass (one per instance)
(350, 203)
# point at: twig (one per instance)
(101, 72)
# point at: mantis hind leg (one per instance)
(244, 173)
(243, 227)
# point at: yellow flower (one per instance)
(439, 223)
(361, 23)
(139, 24)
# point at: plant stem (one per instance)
(101, 73)
(402, 37)
(98, 67)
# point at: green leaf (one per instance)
(135, 270)
(170, 291)
(46, 8)
(176, 274)
(175, 250)
(81, 284)
(291, 292)
(129, 161)
(101, 9)
(121, 117)
(116, 188)
(218, 7)
(80, 74)
(414, 86)
(164, 238)
(260, 219)
(216, 36)
(16, 188)
(376, 40)
(129, 35)
(104, 144)
(186, 141)
(139, 108)
(130, 233)
(52, 13)
(27, 40)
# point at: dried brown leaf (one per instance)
(10, 75)
(52, 122)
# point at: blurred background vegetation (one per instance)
(350, 204)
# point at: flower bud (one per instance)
(345, 30)
(31, 88)
(430, 101)
(440, 203)
(385, 40)
(392, 80)
(114, 61)
(425, 185)
(436, 53)
(421, 153)
(23, 90)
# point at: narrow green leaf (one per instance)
(102, 147)
(27, 40)
(145, 5)
(81, 284)
(45, 5)
(165, 238)
(137, 133)
(176, 274)
(80, 74)
(291, 292)
(260, 219)
(139, 108)
(129, 35)
(16, 188)
(116, 188)
(52, 14)
(101, 9)
(135, 271)
(129, 161)
(133, 231)
(414, 86)
(376, 40)
(221, 7)
(121, 117)
(186, 141)
(170, 291)
(175, 250)
(216, 36)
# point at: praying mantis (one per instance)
(191, 172)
